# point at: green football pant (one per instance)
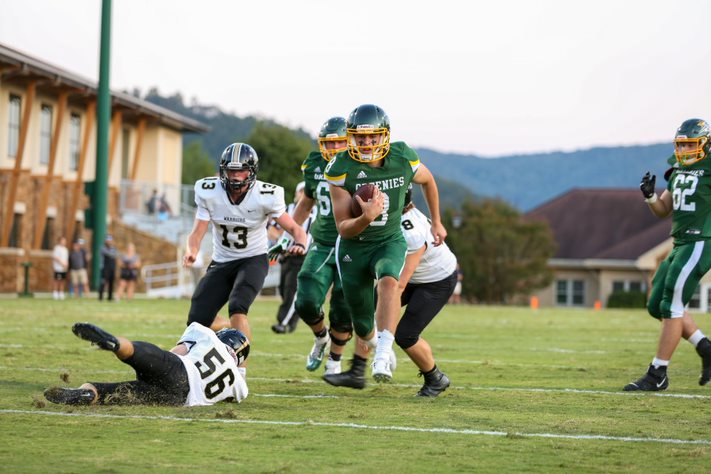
(317, 275)
(677, 278)
(359, 264)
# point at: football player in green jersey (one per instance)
(371, 248)
(319, 270)
(688, 200)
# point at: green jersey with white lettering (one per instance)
(690, 187)
(324, 229)
(392, 177)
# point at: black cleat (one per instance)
(69, 396)
(653, 381)
(96, 335)
(436, 382)
(352, 378)
(704, 350)
(281, 329)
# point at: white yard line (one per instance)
(632, 439)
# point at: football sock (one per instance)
(322, 333)
(385, 342)
(695, 338)
(334, 357)
(372, 343)
(656, 363)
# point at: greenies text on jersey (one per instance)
(690, 187)
(393, 178)
(323, 230)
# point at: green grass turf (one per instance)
(532, 391)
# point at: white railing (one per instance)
(171, 280)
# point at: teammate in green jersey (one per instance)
(371, 247)
(319, 271)
(688, 199)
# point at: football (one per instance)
(366, 193)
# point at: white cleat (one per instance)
(381, 369)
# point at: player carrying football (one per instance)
(371, 247)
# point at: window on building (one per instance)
(570, 292)
(45, 133)
(48, 236)
(16, 231)
(13, 125)
(561, 293)
(578, 292)
(78, 230)
(629, 285)
(74, 141)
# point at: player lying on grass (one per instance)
(200, 370)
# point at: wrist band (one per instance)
(652, 199)
(300, 245)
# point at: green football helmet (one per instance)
(368, 129)
(333, 130)
(694, 132)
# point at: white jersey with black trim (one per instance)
(212, 371)
(437, 263)
(238, 230)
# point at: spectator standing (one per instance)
(60, 265)
(152, 203)
(130, 265)
(457, 295)
(78, 264)
(164, 211)
(109, 254)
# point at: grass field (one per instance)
(532, 391)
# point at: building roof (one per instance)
(602, 224)
(16, 66)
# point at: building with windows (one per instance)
(608, 241)
(48, 153)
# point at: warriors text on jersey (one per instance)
(690, 187)
(238, 230)
(437, 263)
(393, 178)
(212, 371)
(324, 229)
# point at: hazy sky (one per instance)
(483, 77)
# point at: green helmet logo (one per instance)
(692, 142)
(332, 137)
(368, 129)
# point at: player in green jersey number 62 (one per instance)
(688, 200)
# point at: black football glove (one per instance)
(647, 184)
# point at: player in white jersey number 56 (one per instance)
(200, 370)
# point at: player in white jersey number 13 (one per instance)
(239, 207)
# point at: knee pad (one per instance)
(309, 312)
(340, 342)
(405, 341)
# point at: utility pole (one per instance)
(99, 199)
